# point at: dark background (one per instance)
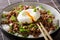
(4, 3)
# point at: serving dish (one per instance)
(47, 7)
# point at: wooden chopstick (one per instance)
(44, 32)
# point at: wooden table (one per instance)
(4, 3)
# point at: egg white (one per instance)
(23, 18)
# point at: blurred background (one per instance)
(53, 3)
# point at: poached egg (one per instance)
(28, 16)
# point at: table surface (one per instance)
(53, 3)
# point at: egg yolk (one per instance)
(28, 14)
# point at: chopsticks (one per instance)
(44, 32)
